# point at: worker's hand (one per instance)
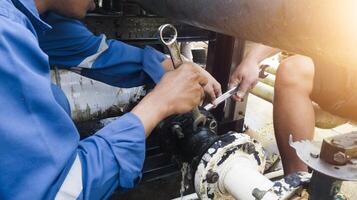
(212, 88)
(178, 91)
(181, 89)
(246, 75)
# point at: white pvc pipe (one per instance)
(188, 197)
(242, 178)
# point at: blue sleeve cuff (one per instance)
(126, 137)
(152, 63)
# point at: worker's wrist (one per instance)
(153, 105)
(252, 58)
(160, 103)
(150, 111)
(259, 52)
(250, 62)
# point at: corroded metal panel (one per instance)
(90, 99)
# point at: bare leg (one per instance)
(293, 112)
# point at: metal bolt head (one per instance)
(314, 155)
(340, 196)
(251, 148)
(213, 125)
(212, 177)
(340, 158)
(178, 131)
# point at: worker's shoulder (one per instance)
(10, 14)
(3, 11)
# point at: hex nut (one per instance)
(212, 177)
(340, 158)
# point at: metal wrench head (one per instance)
(262, 73)
(168, 34)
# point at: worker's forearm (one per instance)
(150, 111)
(259, 52)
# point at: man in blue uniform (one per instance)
(41, 156)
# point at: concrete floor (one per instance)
(259, 119)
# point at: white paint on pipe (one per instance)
(219, 159)
(188, 197)
(241, 178)
(274, 174)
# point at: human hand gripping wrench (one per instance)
(232, 91)
(168, 37)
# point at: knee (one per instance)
(295, 71)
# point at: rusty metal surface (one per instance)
(140, 30)
(339, 150)
(320, 29)
(309, 153)
(130, 23)
(92, 100)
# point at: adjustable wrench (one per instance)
(168, 37)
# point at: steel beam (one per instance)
(320, 29)
(219, 61)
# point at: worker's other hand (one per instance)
(246, 75)
(181, 90)
(212, 88)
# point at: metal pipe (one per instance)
(320, 29)
(242, 178)
(263, 91)
(271, 70)
(323, 187)
(233, 166)
(243, 181)
(323, 119)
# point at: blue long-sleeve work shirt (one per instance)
(41, 156)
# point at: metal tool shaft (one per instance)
(221, 98)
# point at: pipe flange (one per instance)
(224, 150)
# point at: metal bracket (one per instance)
(309, 153)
